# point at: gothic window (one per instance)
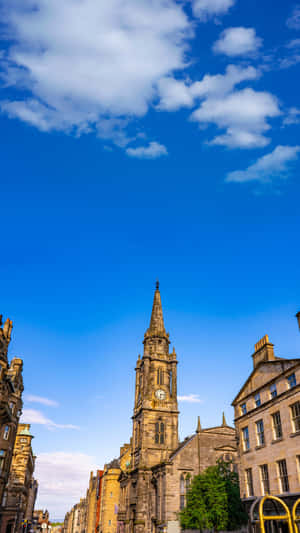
(187, 482)
(160, 377)
(182, 492)
(159, 432)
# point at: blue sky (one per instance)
(143, 140)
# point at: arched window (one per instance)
(159, 432)
(160, 377)
(182, 492)
(187, 482)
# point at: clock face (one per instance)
(160, 394)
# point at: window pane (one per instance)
(181, 501)
(249, 482)
(246, 441)
(296, 416)
(273, 391)
(257, 400)
(243, 408)
(277, 425)
(283, 475)
(260, 433)
(292, 380)
(264, 473)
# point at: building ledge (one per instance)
(277, 440)
(260, 446)
(295, 434)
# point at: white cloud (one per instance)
(238, 41)
(221, 84)
(63, 479)
(33, 416)
(190, 398)
(152, 151)
(243, 114)
(89, 61)
(292, 117)
(273, 165)
(39, 399)
(293, 21)
(205, 9)
(174, 94)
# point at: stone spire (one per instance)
(157, 327)
(156, 340)
(198, 425)
(224, 423)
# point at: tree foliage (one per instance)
(213, 501)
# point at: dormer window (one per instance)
(257, 400)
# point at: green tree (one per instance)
(213, 501)
(194, 515)
(237, 514)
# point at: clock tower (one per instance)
(155, 415)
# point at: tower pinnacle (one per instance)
(157, 327)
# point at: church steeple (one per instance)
(155, 414)
(157, 327)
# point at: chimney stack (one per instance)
(264, 351)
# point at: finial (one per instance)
(224, 423)
(139, 357)
(157, 285)
(198, 425)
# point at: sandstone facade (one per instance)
(267, 419)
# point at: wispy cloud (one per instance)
(206, 9)
(152, 151)
(273, 165)
(33, 416)
(31, 398)
(293, 21)
(190, 398)
(63, 478)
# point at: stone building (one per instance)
(17, 501)
(91, 499)
(267, 419)
(153, 486)
(11, 388)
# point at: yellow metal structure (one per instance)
(296, 516)
(284, 517)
